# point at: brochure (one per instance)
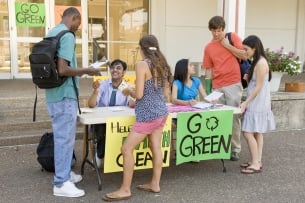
(124, 85)
(202, 105)
(98, 64)
(213, 96)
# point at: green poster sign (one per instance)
(204, 135)
(30, 14)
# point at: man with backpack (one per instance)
(62, 106)
(221, 66)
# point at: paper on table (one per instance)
(86, 110)
(213, 96)
(116, 108)
(201, 105)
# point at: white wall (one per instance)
(182, 26)
(186, 28)
(300, 35)
(278, 23)
(274, 21)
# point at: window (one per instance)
(115, 27)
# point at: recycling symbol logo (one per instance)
(212, 123)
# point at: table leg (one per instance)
(97, 169)
(98, 173)
(85, 148)
(223, 166)
(86, 145)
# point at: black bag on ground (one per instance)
(45, 152)
(243, 64)
(43, 62)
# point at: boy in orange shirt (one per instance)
(221, 65)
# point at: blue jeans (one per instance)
(63, 115)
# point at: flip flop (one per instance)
(114, 199)
(146, 188)
(250, 171)
(246, 165)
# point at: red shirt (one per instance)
(226, 70)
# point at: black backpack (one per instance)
(243, 64)
(43, 62)
(45, 152)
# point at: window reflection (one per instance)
(116, 34)
(134, 19)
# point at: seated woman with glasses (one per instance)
(107, 93)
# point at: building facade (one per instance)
(112, 28)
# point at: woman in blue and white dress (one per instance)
(258, 117)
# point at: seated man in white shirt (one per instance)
(107, 93)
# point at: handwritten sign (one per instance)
(30, 14)
(203, 135)
(117, 130)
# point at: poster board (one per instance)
(117, 130)
(203, 135)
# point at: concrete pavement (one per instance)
(282, 179)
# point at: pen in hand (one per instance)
(192, 102)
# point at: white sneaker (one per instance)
(68, 189)
(98, 161)
(75, 178)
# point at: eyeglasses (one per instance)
(117, 67)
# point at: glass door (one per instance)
(110, 29)
(5, 58)
(22, 23)
(30, 23)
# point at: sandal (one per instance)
(247, 164)
(108, 198)
(146, 188)
(250, 171)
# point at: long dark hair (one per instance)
(181, 71)
(150, 48)
(254, 42)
